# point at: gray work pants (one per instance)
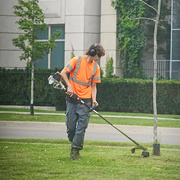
(77, 119)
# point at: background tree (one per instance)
(127, 14)
(131, 40)
(156, 152)
(31, 20)
(156, 147)
(136, 37)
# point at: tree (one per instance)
(138, 11)
(156, 21)
(31, 20)
(156, 147)
(154, 79)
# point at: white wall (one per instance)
(9, 55)
(86, 22)
(82, 26)
(54, 11)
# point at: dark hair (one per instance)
(96, 49)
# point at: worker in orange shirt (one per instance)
(84, 74)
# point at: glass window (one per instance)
(56, 58)
(55, 28)
(42, 63)
(42, 35)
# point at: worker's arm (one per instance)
(66, 80)
(93, 94)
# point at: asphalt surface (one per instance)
(100, 132)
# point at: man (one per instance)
(84, 74)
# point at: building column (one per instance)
(82, 26)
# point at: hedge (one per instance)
(15, 88)
(114, 94)
(136, 95)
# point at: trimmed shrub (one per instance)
(136, 95)
(114, 94)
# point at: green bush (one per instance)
(114, 94)
(15, 86)
(136, 95)
(109, 68)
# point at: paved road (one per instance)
(103, 132)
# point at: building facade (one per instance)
(82, 23)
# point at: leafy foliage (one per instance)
(135, 95)
(121, 95)
(109, 68)
(44, 94)
(131, 39)
(135, 36)
(31, 20)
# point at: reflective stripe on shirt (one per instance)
(76, 71)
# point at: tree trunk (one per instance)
(32, 90)
(155, 74)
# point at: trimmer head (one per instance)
(144, 153)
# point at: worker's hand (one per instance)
(95, 104)
(69, 91)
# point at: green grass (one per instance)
(96, 120)
(103, 113)
(49, 159)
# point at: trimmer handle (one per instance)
(92, 108)
(74, 96)
(57, 76)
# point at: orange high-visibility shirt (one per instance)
(84, 73)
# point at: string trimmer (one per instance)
(55, 81)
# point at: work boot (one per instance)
(75, 155)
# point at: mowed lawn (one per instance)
(49, 159)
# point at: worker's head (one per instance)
(95, 49)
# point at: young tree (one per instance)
(121, 3)
(31, 20)
(156, 20)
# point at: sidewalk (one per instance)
(99, 132)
